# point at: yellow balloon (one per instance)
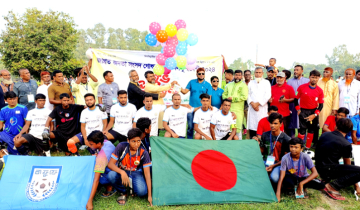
(158, 69)
(182, 34)
(171, 30)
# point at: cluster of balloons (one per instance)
(175, 40)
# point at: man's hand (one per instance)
(278, 196)
(162, 94)
(334, 112)
(174, 83)
(282, 100)
(89, 205)
(101, 107)
(86, 69)
(105, 132)
(299, 189)
(208, 138)
(257, 139)
(310, 118)
(175, 135)
(298, 111)
(269, 168)
(125, 179)
(271, 100)
(150, 200)
(17, 137)
(233, 115)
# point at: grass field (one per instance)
(316, 201)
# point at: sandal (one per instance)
(334, 195)
(108, 194)
(121, 198)
(356, 195)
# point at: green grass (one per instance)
(316, 201)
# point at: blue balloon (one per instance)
(192, 39)
(151, 40)
(170, 63)
(181, 48)
(162, 50)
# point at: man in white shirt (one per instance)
(91, 119)
(203, 117)
(43, 89)
(175, 118)
(151, 112)
(349, 89)
(259, 95)
(122, 115)
(223, 125)
(35, 120)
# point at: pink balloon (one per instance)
(180, 24)
(154, 27)
(160, 59)
(169, 50)
(166, 71)
(191, 67)
(191, 59)
(172, 40)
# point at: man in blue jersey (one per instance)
(13, 116)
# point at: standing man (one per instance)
(57, 88)
(259, 95)
(281, 95)
(136, 95)
(25, 89)
(295, 83)
(237, 93)
(311, 99)
(107, 92)
(81, 86)
(349, 89)
(43, 89)
(247, 76)
(7, 84)
(358, 75)
(222, 124)
(196, 87)
(270, 75)
(229, 77)
(216, 97)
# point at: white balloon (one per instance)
(89, 54)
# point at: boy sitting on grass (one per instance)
(293, 171)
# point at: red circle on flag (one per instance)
(214, 171)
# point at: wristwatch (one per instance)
(315, 114)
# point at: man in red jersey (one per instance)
(311, 103)
(264, 124)
(281, 95)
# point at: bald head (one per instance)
(5, 74)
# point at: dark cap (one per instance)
(270, 68)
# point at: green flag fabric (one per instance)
(187, 171)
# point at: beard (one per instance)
(348, 82)
(200, 79)
(136, 81)
(258, 79)
(325, 79)
(152, 81)
(91, 105)
(8, 81)
(237, 80)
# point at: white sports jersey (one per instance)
(93, 119)
(153, 115)
(124, 116)
(177, 119)
(38, 119)
(222, 124)
(203, 119)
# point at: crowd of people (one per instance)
(63, 115)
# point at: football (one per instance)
(42, 186)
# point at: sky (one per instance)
(302, 31)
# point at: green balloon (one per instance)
(158, 70)
(181, 61)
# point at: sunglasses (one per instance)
(201, 73)
(215, 81)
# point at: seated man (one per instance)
(264, 124)
(36, 118)
(13, 116)
(121, 118)
(354, 136)
(144, 124)
(293, 171)
(175, 118)
(202, 118)
(273, 146)
(223, 124)
(330, 123)
(103, 149)
(91, 119)
(66, 118)
(333, 146)
(130, 162)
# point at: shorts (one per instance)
(180, 137)
(35, 144)
(306, 125)
(61, 140)
(117, 136)
(7, 138)
(82, 142)
(226, 137)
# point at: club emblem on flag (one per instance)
(43, 182)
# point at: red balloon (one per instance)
(161, 36)
(167, 71)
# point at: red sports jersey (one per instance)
(331, 122)
(310, 97)
(264, 126)
(276, 92)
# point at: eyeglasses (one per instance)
(201, 73)
(215, 81)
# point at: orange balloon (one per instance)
(161, 36)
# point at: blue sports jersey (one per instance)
(14, 118)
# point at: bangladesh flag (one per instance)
(187, 171)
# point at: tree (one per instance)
(238, 64)
(39, 41)
(341, 59)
